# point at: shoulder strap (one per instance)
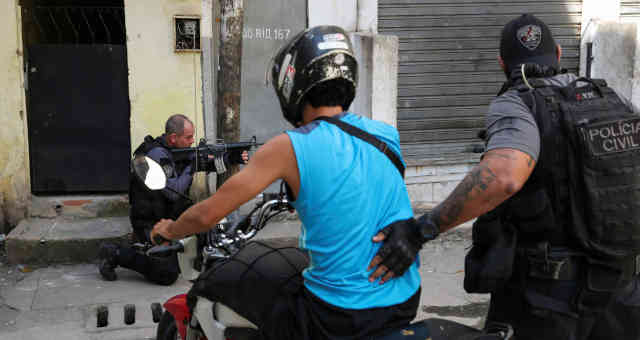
(367, 137)
(146, 146)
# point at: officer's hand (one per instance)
(160, 234)
(235, 157)
(402, 242)
(188, 170)
(397, 253)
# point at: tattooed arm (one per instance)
(500, 174)
(513, 142)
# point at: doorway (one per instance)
(77, 96)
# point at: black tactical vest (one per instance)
(588, 172)
(583, 195)
(149, 206)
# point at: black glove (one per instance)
(403, 240)
(159, 239)
(234, 157)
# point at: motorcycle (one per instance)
(215, 321)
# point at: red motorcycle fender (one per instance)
(177, 306)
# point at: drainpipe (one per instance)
(589, 58)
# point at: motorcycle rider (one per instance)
(344, 191)
(555, 242)
(147, 207)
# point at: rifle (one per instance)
(210, 157)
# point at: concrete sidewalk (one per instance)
(58, 302)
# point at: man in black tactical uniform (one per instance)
(148, 207)
(557, 238)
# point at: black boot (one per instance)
(108, 256)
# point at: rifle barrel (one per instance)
(187, 153)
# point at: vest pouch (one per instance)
(602, 276)
(489, 263)
(532, 214)
(178, 207)
(602, 280)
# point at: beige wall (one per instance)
(161, 81)
(14, 161)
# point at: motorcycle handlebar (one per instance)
(244, 229)
(269, 196)
(162, 250)
(277, 204)
(159, 239)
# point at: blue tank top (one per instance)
(349, 191)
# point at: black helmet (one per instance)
(313, 56)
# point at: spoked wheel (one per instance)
(167, 329)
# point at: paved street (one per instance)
(59, 302)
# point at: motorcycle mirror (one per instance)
(149, 172)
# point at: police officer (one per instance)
(147, 207)
(556, 239)
(344, 189)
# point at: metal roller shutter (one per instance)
(448, 70)
(630, 11)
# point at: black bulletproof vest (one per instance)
(147, 206)
(585, 189)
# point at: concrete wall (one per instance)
(161, 81)
(267, 26)
(367, 16)
(14, 159)
(594, 11)
(616, 56)
(376, 96)
(377, 93)
(343, 13)
(352, 15)
(431, 182)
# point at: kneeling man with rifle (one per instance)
(180, 161)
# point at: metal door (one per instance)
(78, 103)
(630, 10)
(448, 70)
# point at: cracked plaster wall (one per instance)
(14, 161)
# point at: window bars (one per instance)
(76, 25)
